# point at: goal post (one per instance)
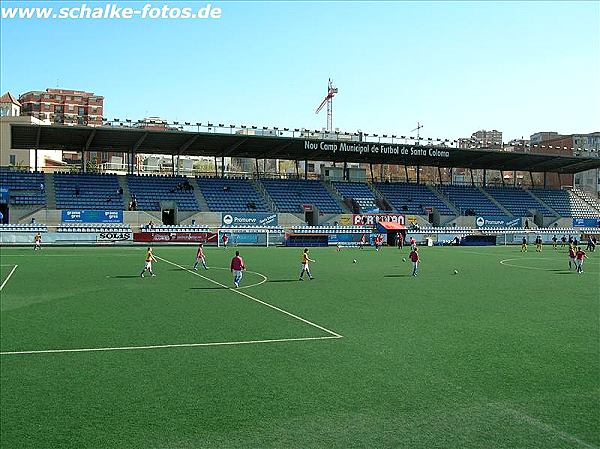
(250, 236)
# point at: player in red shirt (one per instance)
(237, 268)
(413, 244)
(572, 257)
(200, 258)
(414, 257)
(363, 240)
(579, 257)
(225, 240)
(400, 240)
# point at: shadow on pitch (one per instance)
(397, 275)
(282, 280)
(127, 277)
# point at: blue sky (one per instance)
(519, 67)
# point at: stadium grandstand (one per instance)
(296, 198)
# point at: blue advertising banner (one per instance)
(248, 219)
(92, 216)
(4, 195)
(499, 221)
(586, 222)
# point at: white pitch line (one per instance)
(179, 345)
(8, 277)
(330, 332)
(542, 426)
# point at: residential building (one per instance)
(71, 107)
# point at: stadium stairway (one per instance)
(261, 190)
(202, 203)
(496, 203)
(50, 192)
(546, 205)
(445, 199)
(126, 193)
(336, 195)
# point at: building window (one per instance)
(71, 107)
(46, 96)
(77, 98)
(68, 98)
(58, 97)
(12, 159)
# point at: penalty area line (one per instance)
(8, 277)
(252, 298)
(178, 345)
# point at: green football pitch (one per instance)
(504, 354)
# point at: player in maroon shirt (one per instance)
(572, 257)
(200, 258)
(225, 240)
(414, 257)
(579, 257)
(237, 268)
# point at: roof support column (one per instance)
(172, 165)
(305, 169)
(257, 169)
(440, 175)
(405, 173)
(216, 167)
(345, 175)
(515, 178)
(222, 166)
(546, 181)
(451, 175)
(472, 178)
(372, 175)
(418, 174)
(83, 167)
(36, 160)
(484, 177)
(502, 178)
(531, 177)
(297, 170)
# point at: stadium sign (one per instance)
(586, 222)
(114, 236)
(175, 237)
(248, 219)
(373, 219)
(4, 195)
(504, 222)
(375, 149)
(92, 216)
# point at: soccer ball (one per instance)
(404, 259)
(455, 271)
(354, 261)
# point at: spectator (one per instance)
(42, 188)
(120, 191)
(77, 191)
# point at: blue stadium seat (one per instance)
(87, 191)
(150, 190)
(24, 187)
(290, 195)
(231, 194)
(412, 198)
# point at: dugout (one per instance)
(391, 229)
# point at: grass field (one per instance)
(502, 355)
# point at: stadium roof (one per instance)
(176, 142)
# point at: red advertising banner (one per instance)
(373, 219)
(175, 237)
